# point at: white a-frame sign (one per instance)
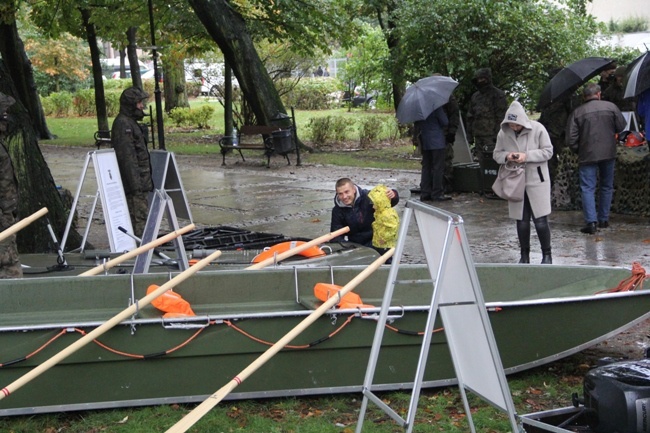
(457, 296)
(110, 192)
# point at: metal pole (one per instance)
(227, 113)
(154, 53)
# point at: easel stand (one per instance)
(111, 194)
(457, 296)
(167, 199)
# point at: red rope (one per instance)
(631, 283)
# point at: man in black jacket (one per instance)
(353, 208)
(591, 132)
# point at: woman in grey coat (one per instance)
(525, 141)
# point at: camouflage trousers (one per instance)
(9, 260)
(139, 211)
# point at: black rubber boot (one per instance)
(544, 235)
(523, 233)
(547, 259)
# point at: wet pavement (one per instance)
(297, 201)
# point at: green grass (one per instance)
(79, 131)
(439, 410)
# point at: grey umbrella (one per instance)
(423, 97)
(638, 76)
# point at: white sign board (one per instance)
(111, 192)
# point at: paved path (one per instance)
(297, 201)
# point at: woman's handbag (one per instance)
(511, 182)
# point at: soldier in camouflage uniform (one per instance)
(9, 262)
(129, 139)
(615, 92)
(487, 108)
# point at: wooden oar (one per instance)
(191, 418)
(22, 224)
(136, 252)
(299, 249)
(115, 320)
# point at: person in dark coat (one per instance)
(487, 107)
(433, 148)
(591, 133)
(353, 208)
(554, 118)
(607, 77)
(9, 261)
(129, 139)
(525, 141)
(615, 92)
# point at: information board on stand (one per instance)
(110, 192)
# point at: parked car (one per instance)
(144, 74)
(209, 75)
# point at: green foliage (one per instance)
(84, 102)
(340, 126)
(519, 40)
(320, 129)
(628, 25)
(199, 117)
(366, 68)
(58, 104)
(370, 128)
(312, 94)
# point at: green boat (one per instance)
(538, 313)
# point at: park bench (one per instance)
(254, 137)
(102, 137)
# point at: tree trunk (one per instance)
(134, 64)
(389, 27)
(174, 84)
(36, 187)
(228, 29)
(98, 80)
(21, 72)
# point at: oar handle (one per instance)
(298, 249)
(125, 314)
(22, 224)
(198, 412)
(136, 252)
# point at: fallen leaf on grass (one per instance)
(123, 420)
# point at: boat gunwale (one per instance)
(169, 323)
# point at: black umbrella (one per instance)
(423, 97)
(638, 76)
(571, 77)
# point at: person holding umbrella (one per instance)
(525, 141)
(422, 104)
(591, 133)
(434, 150)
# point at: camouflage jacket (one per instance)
(130, 144)
(486, 111)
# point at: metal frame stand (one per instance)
(458, 297)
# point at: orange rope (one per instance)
(47, 343)
(289, 346)
(631, 283)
